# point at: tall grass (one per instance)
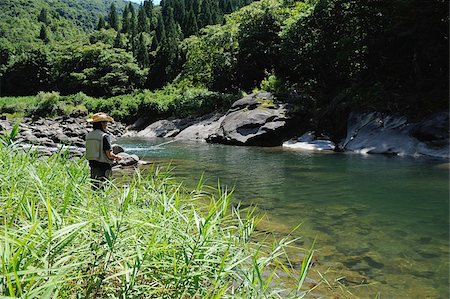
(148, 238)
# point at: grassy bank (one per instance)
(146, 238)
(170, 101)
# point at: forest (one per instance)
(328, 57)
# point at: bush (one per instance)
(196, 102)
(48, 104)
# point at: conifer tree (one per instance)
(179, 11)
(43, 17)
(191, 27)
(205, 17)
(141, 51)
(126, 20)
(196, 7)
(143, 24)
(148, 5)
(216, 14)
(118, 42)
(101, 23)
(160, 29)
(43, 35)
(133, 25)
(113, 18)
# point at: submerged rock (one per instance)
(377, 133)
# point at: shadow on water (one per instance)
(379, 220)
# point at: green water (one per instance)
(381, 222)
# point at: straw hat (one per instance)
(100, 116)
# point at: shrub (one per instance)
(48, 104)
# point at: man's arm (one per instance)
(112, 156)
(108, 150)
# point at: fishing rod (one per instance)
(150, 148)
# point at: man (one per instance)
(98, 149)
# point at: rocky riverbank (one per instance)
(258, 119)
(47, 136)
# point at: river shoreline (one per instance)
(255, 120)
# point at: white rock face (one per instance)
(308, 142)
(376, 133)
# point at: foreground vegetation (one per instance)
(148, 236)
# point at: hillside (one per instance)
(67, 19)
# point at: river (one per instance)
(381, 223)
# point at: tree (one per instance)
(160, 29)
(43, 17)
(97, 70)
(143, 24)
(258, 44)
(126, 20)
(30, 73)
(113, 19)
(43, 35)
(205, 17)
(142, 51)
(148, 6)
(118, 42)
(190, 25)
(133, 25)
(101, 23)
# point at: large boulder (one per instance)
(127, 159)
(377, 133)
(202, 129)
(165, 128)
(253, 120)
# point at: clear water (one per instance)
(381, 223)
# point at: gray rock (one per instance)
(117, 149)
(127, 160)
(165, 128)
(203, 129)
(435, 127)
(139, 124)
(253, 120)
(377, 133)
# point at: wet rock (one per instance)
(372, 263)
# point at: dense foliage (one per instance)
(327, 56)
(167, 102)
